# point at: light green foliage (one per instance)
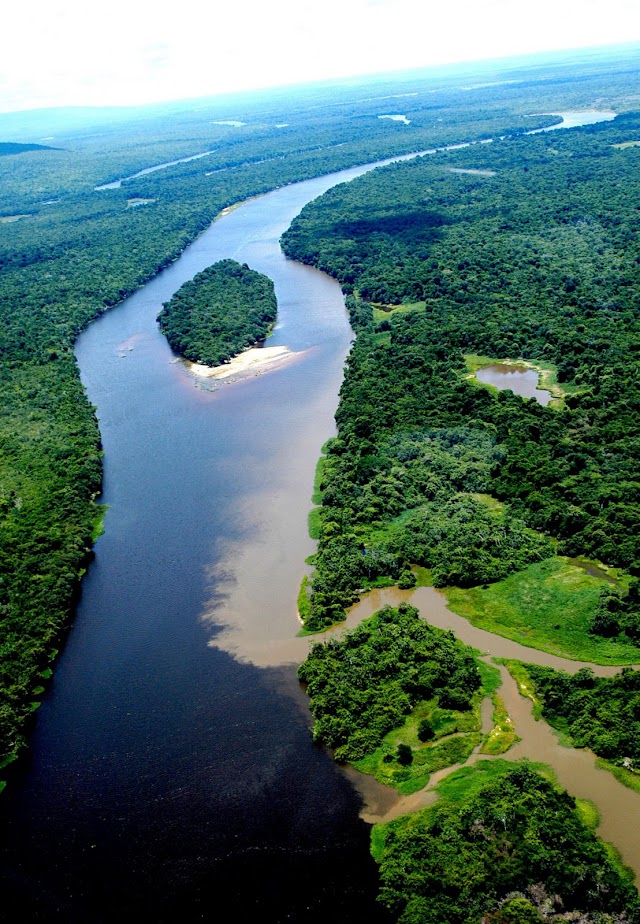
(503, 734)
(549, 606)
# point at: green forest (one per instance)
(526, 248)
(503, 845)
(220, 312)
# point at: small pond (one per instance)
(518, 379)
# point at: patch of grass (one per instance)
(304, 603)
(380, 312)
(628, 778)
(378, 839)
(314, 522)
(588, 812)
(526, 686)
(548, 606)
(464, 783)
(97, 528)
(456, 736)
(316, 497)
(503, 734)
(423, 576)
(491, 679)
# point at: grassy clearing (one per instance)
(467, 781)
(548, 606)
(503, 734)
(457, 734)
(382, 312)
(423, 576)
(588, 813)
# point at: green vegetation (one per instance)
(549, 606)
(601, 713)
(78, 249)
(503, 734)
(525, 684)
(219, 313)
(502, 844)
(538, 261)
(370, 682)
(304, 605)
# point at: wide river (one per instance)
(172, 774)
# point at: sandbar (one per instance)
(250, 362)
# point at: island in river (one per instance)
(219, 313)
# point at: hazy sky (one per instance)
(74, 52)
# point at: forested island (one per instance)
(219, 313)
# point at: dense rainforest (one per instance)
(74, 241)
(220, 312)
(526, 248)
(501, 845)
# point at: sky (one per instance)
(74, 52)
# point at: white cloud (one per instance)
(73, 52)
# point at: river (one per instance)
(171, 771)
(165, 772)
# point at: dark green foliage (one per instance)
(426, 731)
(464, 543)
(77, 251)
(365, 685)
(618, 613)
(219, 313)
(601, 713)
(404, 755)
(508, 852)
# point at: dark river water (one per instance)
(172, 770)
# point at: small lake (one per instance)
(518, 379)
(573, 119)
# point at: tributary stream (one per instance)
(171, 774)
